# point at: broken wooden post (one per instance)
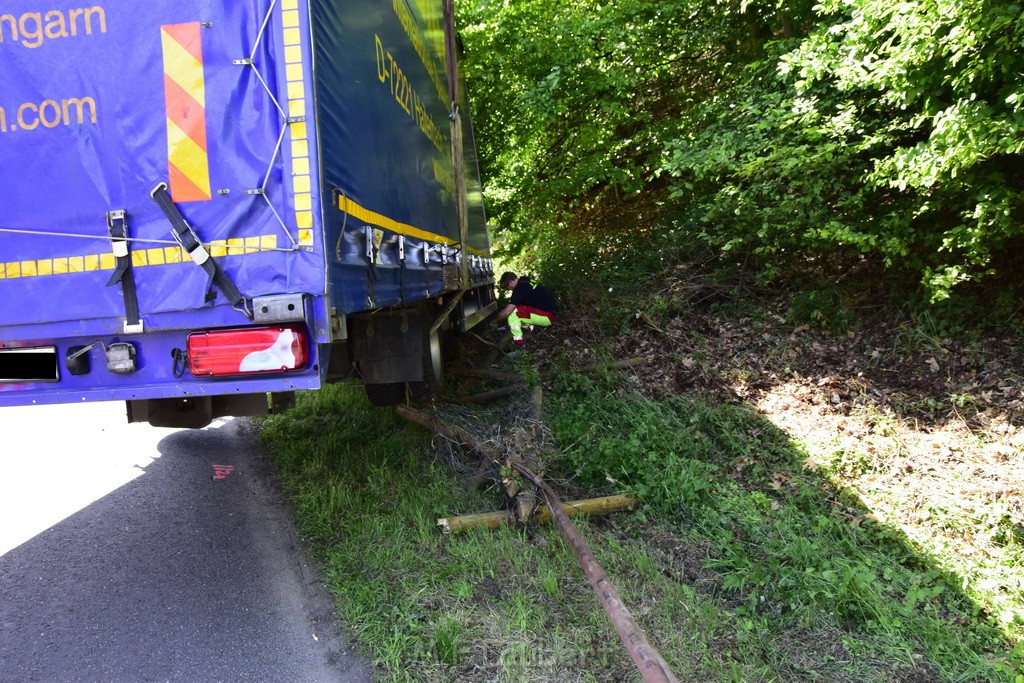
(524, 505)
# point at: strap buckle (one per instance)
(117, 228)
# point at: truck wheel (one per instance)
(433, 371)
(381, 395)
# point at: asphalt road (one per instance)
(131, 553)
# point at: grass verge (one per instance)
(744, 564)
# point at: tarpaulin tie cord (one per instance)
(262, 190)
(44, 233)
(401, 268)
(250, 61)
(117, 228)
(132, 240)
(344, 223)
(189, 241)
(263, 30)
(371, 268)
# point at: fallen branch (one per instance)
(493, 395)
(653, 326)
(537, 403)
(647, 659)
(449, 432)
(493, 520)
(482, 373)
(485, 342)
(617, 364)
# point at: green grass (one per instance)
(742, 565)
(788, 547)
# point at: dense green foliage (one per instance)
(862, 129)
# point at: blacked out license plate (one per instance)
(37, 364)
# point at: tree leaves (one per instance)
(894, 130)
(576, 100)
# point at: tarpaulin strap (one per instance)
(371, 263)
(117, 227)
(371, 252)
(344, 222)
(188, 240)
(401, 268)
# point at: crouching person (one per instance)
(529, 304)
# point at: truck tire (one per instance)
(383, 395)
(433, 370)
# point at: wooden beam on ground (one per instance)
(537, 403)
(493, 520)
(482, 373)
(491, 357)
(647, 659)
(494, 394)
(616, 364)
(450, 432)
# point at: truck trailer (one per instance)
(208, 206)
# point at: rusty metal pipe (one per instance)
(647, 659)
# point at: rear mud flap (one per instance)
(388, 346)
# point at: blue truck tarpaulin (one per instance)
(337, 187)
(102, 103)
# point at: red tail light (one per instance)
(245, 351)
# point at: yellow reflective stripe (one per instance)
(295, 92)
(141, 258)
(381, 221)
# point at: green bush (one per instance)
(820, 308)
